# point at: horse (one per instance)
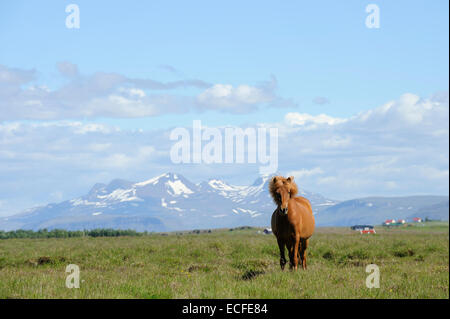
(292, 221)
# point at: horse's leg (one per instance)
(281, 245)
(295, 251)
(305, 243)
(291, 252)
(300, 256)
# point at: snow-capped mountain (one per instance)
(165, 202)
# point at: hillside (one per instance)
(375, 210)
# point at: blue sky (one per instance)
(314, 48)
(314, 57)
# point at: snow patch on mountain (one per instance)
(121, 195)
(83, 202)
(178, 188)
(152, 181)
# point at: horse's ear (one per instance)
(274, 179)
(290, 178)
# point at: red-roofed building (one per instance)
(417, 220)
(367, 231)
(389, 221)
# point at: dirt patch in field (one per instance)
(403, 252)
(203, 268)
(329, 255)
(251, 264)
(250, 274)
(420, 258)
(356, 263)
(45, 260)
(359, 254)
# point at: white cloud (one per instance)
(305, 172)
(114, 95)
(299, 119)
(67, 68)
(432, 173)
(238, 99)
(408, 111)
(379, 152)
(99, 147)
(398, 148)
(84, 128)
(15, 77)
(337, 141)
(41, 160)
(242, 98)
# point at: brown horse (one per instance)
(292, 222)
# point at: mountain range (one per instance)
(171, 202)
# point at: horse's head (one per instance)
(282, 189)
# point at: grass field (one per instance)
(413, 263)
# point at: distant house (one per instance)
(393, 222)
(417, 220)
(367, 231)
(361, 227)
(268, 231)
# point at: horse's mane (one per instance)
(273, 192)
(294, 189)
(274, 185)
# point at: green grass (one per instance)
(413, 263)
